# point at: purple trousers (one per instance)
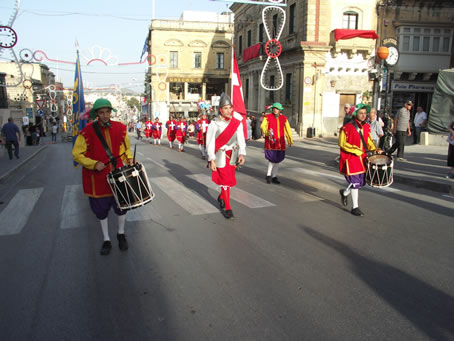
(101, 207)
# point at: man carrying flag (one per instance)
(226, 148)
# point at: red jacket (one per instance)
(95, 182)
(349, 163)
(277, 139)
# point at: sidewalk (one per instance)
(26, 153)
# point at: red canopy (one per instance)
(349, 34)
(251, 52)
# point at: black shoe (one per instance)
(122, 242)
(268, 179)
(228, 214)
(275, 180)
(344, 198)
(106, 247)
(357, 212)
(221, 202)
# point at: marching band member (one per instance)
(182, 126)
(89, 152)
(226, 149)
(352, 154)
(201, 128)
(274, 127)
(147, 130)
(156, 130)
(171, 125)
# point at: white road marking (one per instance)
(158, 164)
(187, 199)
(448, 196)
(141, 154)
(237, 194)
(14, 217)
(74, 207)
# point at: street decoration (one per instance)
(8, 39)
(273, 48)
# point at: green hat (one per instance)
(360, 106)
(100, 103)
(277, 106)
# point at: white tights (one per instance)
(272, 169)
(355, 195)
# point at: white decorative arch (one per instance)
(197, 43)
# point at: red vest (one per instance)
(181, 132)
(350, 164)
(95, 182)
(201, 135)
(276, 140)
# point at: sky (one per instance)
(114, 31)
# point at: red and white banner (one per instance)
(237, 92)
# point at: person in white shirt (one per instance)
(420, 123)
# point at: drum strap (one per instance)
(361, 135)
(104, 144)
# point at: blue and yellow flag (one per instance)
(78, 104)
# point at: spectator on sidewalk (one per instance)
(375, 127)
(451, 151)
(419, 123)
(11, 135)
(348, 114)
(401, 129)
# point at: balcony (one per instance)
(352, 42)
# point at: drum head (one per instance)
(379, 159)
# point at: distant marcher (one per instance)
(28, 136)
(276, 129)
(401, 129)
(54, 132)
(419, 123)
(11, 135)
(451, 151)
(375, 127)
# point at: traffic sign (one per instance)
(40, 103)
(40, 113)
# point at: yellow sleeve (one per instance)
(79, 150)
(370, 144)
(264, 126)
(288, 132)
(125, 149)
(347, 147)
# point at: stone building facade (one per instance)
(190, 59)
(319, 73)
(424, 31)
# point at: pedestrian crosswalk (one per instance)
(15, 216)
(193, 194)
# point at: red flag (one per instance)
(237, 92)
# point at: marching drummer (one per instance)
(89, 152)
(352, 154)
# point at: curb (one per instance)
(5, 176)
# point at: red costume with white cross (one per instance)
(202, 127)
(147, 130)
(156, 130)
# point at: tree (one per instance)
(133, 102)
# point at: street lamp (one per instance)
(382, 54)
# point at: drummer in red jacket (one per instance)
(353, 153)
(89, 152)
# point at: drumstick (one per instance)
(134, 158)
(114, 159)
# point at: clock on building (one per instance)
(8, 38)
(393, 56)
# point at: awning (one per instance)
(349, 34)
(251, 52)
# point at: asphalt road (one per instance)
(293, 265)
